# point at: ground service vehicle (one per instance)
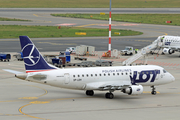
(71, 50)
(127, 51)
(5, 57)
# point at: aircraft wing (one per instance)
(110, 85)
(174, 48)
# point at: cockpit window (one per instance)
(164, 71)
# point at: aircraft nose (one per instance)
(172, 78)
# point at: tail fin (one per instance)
(33, 60)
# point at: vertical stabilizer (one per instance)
(33, 60)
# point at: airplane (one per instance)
(169, 44)
(127, 79)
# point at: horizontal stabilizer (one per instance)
(13, 71)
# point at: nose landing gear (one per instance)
(153, 90)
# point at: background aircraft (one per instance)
(169, 44)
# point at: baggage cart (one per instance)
(5, 57)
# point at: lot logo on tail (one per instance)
(31, 55)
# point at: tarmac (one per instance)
(23, 100)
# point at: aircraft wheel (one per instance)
(106, 95)
(153, 92)
(109, 95)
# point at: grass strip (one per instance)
(14, 31)
(89, 3)
(9, 19)
(135, 18)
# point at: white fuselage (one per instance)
(78, 78)
(168, 41)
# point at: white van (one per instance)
(71, 49)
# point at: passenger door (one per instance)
(67, 78)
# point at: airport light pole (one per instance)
(109, 47)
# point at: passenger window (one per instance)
(126, 73)
(99, 74)
(74, 76)
(87, 75)
(95, 74)
(82, 75)
(91, 75)
(109, 74)
(121, 73)
(117, 73)
(113, 73)
(104, 74)
(78, 75)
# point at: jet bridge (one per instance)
(141, 53)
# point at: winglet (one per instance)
(33, 60)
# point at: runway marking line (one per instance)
(40, 88)
(57, 43)
(30, 98)
(20, 110)
(11, 115)
(39, 102)
(66, 24)
(86, 25)
(35, 15)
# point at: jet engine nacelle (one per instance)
(133, 90)
(168, 51)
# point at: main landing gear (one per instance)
(107, 95)
(153, 90)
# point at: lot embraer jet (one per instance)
(127, 79)
(170, 44)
